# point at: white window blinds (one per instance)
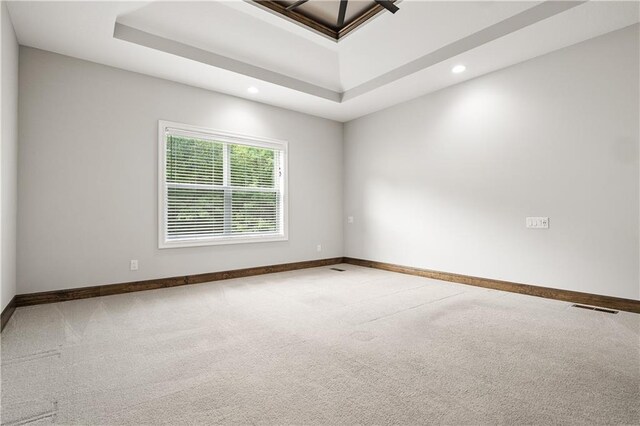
(220, 188)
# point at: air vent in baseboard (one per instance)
(593, 308)
(338, 269)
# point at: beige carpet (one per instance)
(320, 347)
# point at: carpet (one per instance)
(318, 346)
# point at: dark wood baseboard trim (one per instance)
(7, 312)
(610, 302)
(618, 303)
(111, 289)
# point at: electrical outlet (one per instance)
(537, 222)
(133, 265)
(319, 247)
(349, 219)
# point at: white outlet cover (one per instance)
(133, 265)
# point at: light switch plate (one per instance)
(537, 222)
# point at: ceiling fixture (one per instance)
(388, 5)
(253, 90)
(458, 69)
(342, 12)
(320, 15)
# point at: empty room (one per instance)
(318, 212)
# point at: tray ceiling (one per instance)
(229, 46)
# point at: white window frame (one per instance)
(218, 136)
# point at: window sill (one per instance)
(199, 242)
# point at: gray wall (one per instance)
(445, 181)
(441, 182)
(8, 157)
(88, 175)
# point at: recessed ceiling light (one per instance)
(458, 69)
(252, 89)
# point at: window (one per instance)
(220, 188)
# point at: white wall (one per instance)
(445, 181)
(88, 175)
(8, 157)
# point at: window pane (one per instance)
(254, 211)
(194, 161)
(252, 167)
(194, 212)
(220, 187)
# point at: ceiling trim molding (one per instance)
(152, 41)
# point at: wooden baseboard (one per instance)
(7, 312)
(621, 304)
(618, 303)
(111, 289)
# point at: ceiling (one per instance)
(229, 46)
